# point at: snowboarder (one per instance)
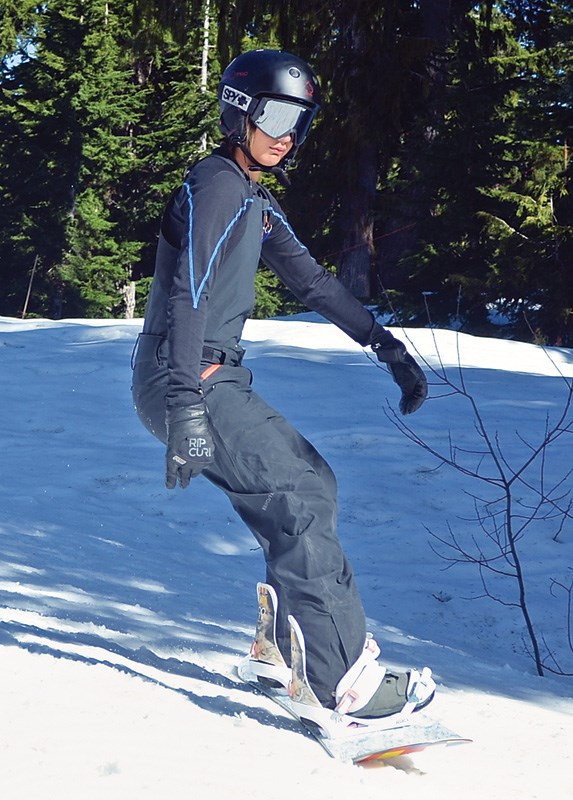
(191, 391)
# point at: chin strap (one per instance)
(277, 171)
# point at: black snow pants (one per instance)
(285, 492)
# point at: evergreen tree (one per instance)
(100, 250)
(37, 156)
(70, 106)
(100, 119)
(17, 19)
(493, 170)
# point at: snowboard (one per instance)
(356, 745)
(373, 747)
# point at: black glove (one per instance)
(190, 446)
(406, 373)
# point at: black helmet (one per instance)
(278, 91)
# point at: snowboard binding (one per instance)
(265, 661)
(359, 707)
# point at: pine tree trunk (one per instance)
(129, 299)
(355, 220)
(398, 229)
(205, 60)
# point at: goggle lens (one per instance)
(278, 118)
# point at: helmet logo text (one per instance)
(235, 98)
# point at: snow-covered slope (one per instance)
(124, 607)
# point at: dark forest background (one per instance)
(436, 183)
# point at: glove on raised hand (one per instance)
(405, 371)
(190, 446)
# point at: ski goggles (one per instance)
(278, 118)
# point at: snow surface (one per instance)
(124, 607)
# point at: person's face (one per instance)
(266, 150)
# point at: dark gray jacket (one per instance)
(215, 229)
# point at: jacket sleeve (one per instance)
(199, 222)
(318, 289)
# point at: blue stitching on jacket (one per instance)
(288, 227)
(196, 293)
(190, 243)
